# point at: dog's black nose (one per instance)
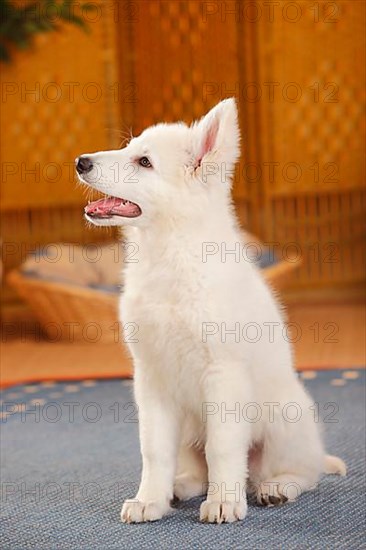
(83, 165)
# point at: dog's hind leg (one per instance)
(292, 457)
(287, 487)
(191, 479)
(282, 488)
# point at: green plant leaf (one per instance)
(20, 24)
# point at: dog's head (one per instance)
(169, 171)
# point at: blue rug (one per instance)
(70, 456)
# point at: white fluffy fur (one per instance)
(186, 384)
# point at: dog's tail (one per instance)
(334, 465)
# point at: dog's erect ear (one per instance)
(217, 135)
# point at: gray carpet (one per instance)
(68, 465)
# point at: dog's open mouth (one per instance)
(112, 206)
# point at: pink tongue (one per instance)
(112, 206)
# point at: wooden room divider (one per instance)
(57, 102)
(297, 70)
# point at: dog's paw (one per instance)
(269, 494)
(223, 512)
(136, 511)
(186, 487)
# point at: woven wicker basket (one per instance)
(71, 312)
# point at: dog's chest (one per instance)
(167, 313)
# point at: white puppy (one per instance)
(221, 409)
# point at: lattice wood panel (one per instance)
(182, 62)
(314, 134)
(187, 55)
(58, 100)
(325, 231)
(316, 118)
(176, 59)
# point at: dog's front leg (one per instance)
(158, 428)
(227, 443)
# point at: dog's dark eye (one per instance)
(144, 161)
